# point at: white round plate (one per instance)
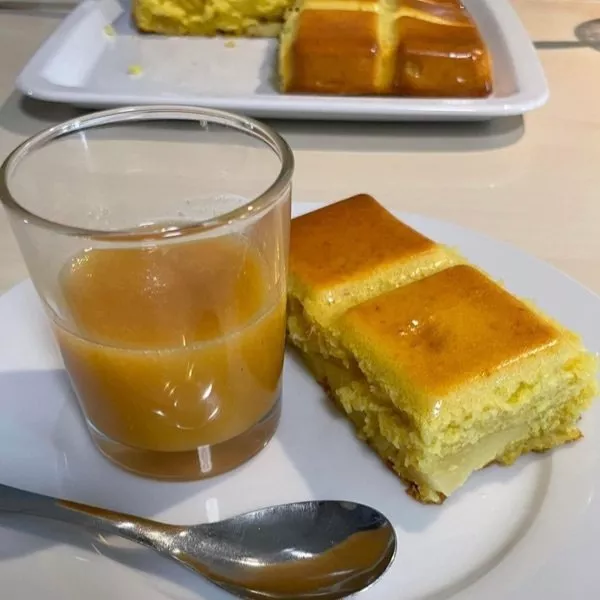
(528, 532)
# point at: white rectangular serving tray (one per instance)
(91, 59)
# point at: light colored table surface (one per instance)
(534, 182)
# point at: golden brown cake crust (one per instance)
(323, 253)
(346, 61)
(448, 12)
(440, 60)
(433, 331)
(384, 47)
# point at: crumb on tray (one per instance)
(134, 70)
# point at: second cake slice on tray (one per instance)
(440, 369)
(424, 48)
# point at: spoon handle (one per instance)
(142, 531)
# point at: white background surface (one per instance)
(83, 65)
(528, 532)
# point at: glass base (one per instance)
(202, 463)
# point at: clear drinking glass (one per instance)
(157, 239)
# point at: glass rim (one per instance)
(132, 114)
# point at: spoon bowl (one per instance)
(324, 549)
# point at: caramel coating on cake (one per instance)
(348, 49)
(446, 330)
(383, 47)
(437, 60)
(444, 12)
(440, 51)
(348, 240)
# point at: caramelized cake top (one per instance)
(442, 332)
(442, 12)
(398, 47)
(347, 241)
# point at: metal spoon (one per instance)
(321, 549)
(587, 34)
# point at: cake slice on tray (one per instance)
(417, 48)
(441, 370)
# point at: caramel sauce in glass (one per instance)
(173, 347)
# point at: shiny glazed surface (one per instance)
(323, 255)
(433, 331)
(429, 48)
